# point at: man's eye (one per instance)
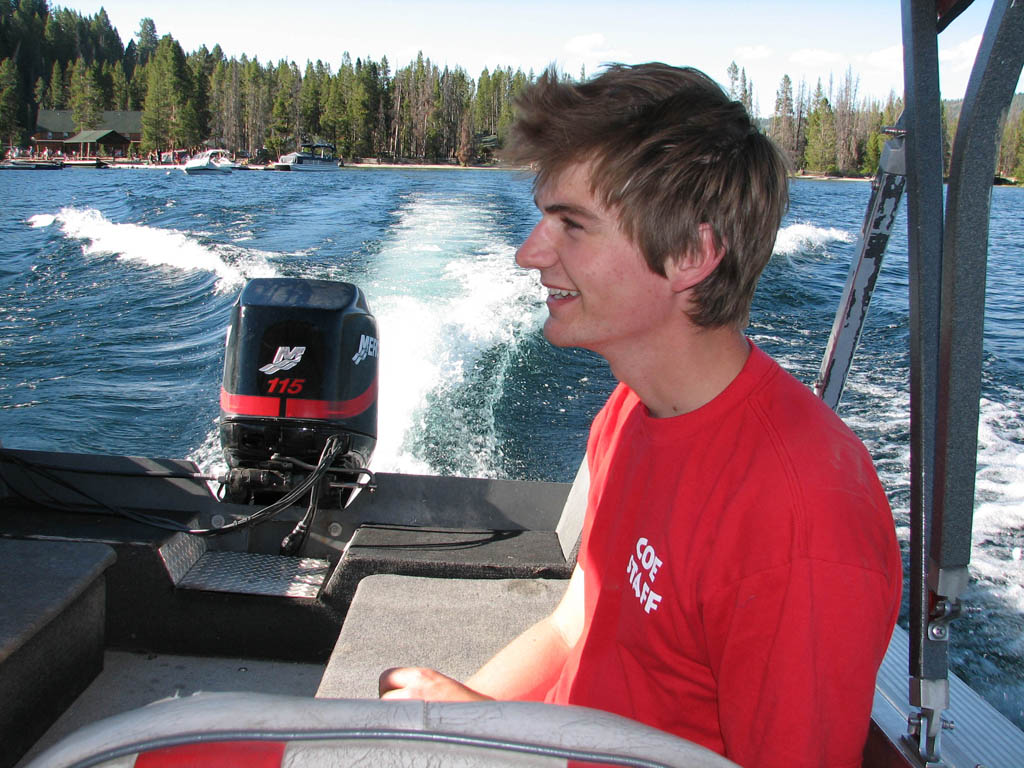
(570, 224)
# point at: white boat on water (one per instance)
(310, 157)
(210, 161)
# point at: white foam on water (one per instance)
(409, 368)
(802, 237)
(209, 456)
(999, 504)
(997, 566)
(158, 247)
(41, 220)
(446, 291)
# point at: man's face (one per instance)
(602, 296)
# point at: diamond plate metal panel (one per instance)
(180, 552)
(255, 574)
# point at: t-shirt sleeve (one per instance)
(795, 650)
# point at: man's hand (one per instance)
(422, 683)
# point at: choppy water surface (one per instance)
(115, 288)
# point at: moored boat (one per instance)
(88, 162)
(31, 164)
(311, 157)
(212, 161)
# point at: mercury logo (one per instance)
(285, 359)
(367, 348)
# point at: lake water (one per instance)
(115, 290)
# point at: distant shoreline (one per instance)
(436, 167)
(826, 177)
(450, 167)
(388, 166)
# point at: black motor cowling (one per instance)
(300, 367)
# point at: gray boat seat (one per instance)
(425, 608)
(438, 549)
(452, 625)
(267, 730)
(52, 624)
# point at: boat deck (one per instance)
(430, 571)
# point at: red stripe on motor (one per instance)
(331, 409)
(250, 405)
(217, 754)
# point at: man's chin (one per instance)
(553, 337)
(557, 337)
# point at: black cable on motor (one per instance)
(291, 543)
(332, 448)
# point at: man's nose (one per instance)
(535, 252)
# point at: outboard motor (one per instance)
(300, 388)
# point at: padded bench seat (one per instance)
(454, 553)
(52, 616)
(452, 625)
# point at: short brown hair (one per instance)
(670, 151)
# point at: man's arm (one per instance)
(525, 668)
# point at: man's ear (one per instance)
(691, 268)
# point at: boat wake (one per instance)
(451, 306)
(799, 238)
(156, 247)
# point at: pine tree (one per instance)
(169, 118)
(283, 128)
(482, 104)
(783, 125)
(118, 87)
(309, 104)
(106, 40)
(948, 132)
(734, 75)
(227, 123)
(57, 94)
(332, 121)
(848, 149)
(257, 101)
(85, 97)
(1018, 171)
(356, 112)
(148, 41)
(10, 103)
(137, 88)
(39, 92)
(197, 69)
(820, 154)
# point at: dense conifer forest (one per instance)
(57, 58)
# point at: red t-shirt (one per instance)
(741, 574)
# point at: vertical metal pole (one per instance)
(929, 686)
(948, 410)
(965, 254)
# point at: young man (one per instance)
(739, 575)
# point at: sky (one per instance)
(803, 39)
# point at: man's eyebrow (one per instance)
(569, 208)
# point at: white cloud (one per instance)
(816, 58)
(960, 58)
(753, 52)
(592, 51)
(586, 45)
(883, 60)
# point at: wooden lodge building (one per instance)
(118, 134)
